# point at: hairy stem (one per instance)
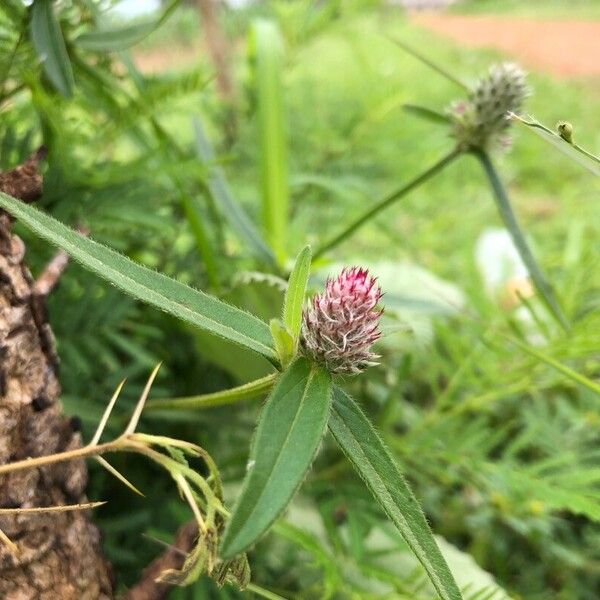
(387, 201)
(263, 593)
(248, 391)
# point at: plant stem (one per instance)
(196, 223)
(42, 461)
(511, 223)
(387, 201)
(263, 593)
(558, 366)
(248, 391)
(558, 141)
(10, 61)
(431, 64)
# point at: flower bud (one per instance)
(565, 130)
(341, 324)
(483, 118)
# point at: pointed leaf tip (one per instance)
(289, 432)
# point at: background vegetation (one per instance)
(500, 446)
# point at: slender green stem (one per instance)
(511, 223)
(189, 204)
(537, 125)
(431, 64)
(248, 391)
(568, 372)
(586, 153)
(196, 223)
(8, 95)
(10, 61)
(387, 201)
(263, 593)
(218, 189)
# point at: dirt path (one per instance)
(159, 60)
(567, 48)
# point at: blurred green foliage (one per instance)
(531, 8)
(501, 449)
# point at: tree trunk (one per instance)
(60, 555)
(217, 46)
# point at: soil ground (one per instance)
(565, 48)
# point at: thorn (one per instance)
(51, 509)
(106, 415)
(118, 475)
(160, 542)
(137, 413)
(8, 542)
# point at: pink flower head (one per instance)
(341, 324)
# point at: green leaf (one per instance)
(146, 285)
(120, 38)
(294, 295)
(283, 340)
(266, 52)
(48, 41)
(372, 460)
(289, 432)
(220, 192)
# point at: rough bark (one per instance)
(60, 555)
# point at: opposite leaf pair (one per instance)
(335, 336)
(300, 403)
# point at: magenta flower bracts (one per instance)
(341, 324)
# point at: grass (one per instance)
(350, 144)
(575, 9)
(354, 143)
(499, 445)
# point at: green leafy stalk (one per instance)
(511, 223)
(431, 64)
(190, 204)
(120, 38)
(49, 44)
(263, 593)
(146, 285)
(558, 366)
(429, 114)
(196, 221)
(294, 295)
(387, 201)
(289, 432)
(231, 210)
(364, 448)
(248, 391)
(266, 50)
